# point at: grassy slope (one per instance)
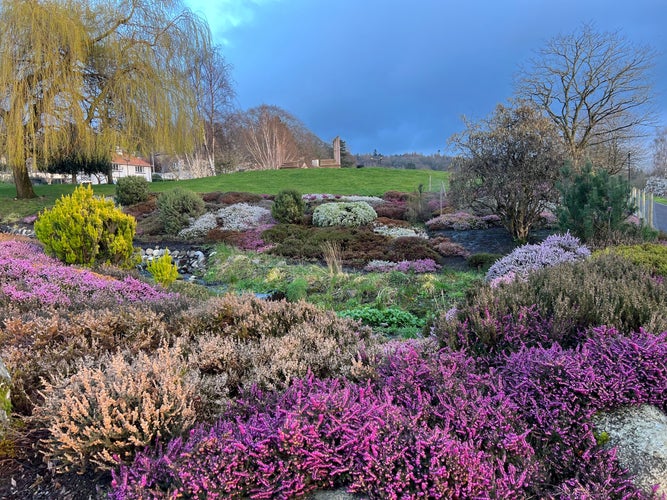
(362, 181)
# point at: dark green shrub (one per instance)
(594, 204)
(131, 190)
(410, 248)
(83, 229)
(483, 261)
(176, 207)
(288, 207)
(605, 290)
(358, 245)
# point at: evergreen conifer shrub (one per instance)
(594, 204)
(177, 207)
(288, 207)
(163, 270)
(86, 230)
(131, 190)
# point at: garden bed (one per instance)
(494, 398)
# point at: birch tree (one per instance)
(268, 139)
(86, 77)
(212, 82)
(660, 153)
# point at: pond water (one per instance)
(494, 240)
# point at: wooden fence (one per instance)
(643, 201)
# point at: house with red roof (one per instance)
(123, 165)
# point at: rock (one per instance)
(5, 401)
(639, 434)
(187, 261)
(339, 494)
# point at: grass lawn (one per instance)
(360, 181)
(658, 199)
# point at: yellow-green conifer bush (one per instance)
(85, 229)
(163, 270)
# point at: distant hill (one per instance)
(409, 161)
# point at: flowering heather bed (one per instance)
(31, 279)
(398, 232)
(462, 221)
(555, 249)
(429, 425)
(318, 197)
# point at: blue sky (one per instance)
(397, 75)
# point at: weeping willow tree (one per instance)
(80, 78)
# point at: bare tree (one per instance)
(660, 153)
(95, 76)
(268, 139)
(595, 87)
(508, 165)
(212, 82)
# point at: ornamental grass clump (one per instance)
(84, 229)
(432, 424)
(348, 214)
(555, 249)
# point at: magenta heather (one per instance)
(29, 278)
(431, 425)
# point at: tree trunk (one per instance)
(110, 175)
(24, 189)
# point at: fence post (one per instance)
(650, 211)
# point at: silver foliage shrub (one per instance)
(349, 214)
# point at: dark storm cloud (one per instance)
(396, 75)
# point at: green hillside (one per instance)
(362, 181)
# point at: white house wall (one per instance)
(123, 171)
